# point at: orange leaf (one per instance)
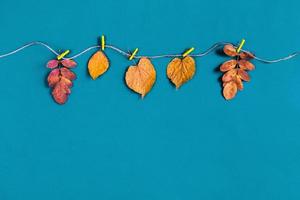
(230, 90)
(140, 78)
(239, 83)
(246, 65)
(226, 66)
(228, 76)
(230, 50)
(246, 56)
(243, 75)
(180, 71)
(98, 64)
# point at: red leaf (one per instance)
(68, 63)
(66, 81)
(60, 92)
(52, 64)
(59, 96)
(53, 77)
(67, 73)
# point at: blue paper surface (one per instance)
(107, 143)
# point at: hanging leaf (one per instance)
(60, 92)
(53, 77)
(246, 56)
(230, 90)
(228, 76)
(67, 73)
(68, 63)
(230, 50)
(235, 71)
(239, 83)
(141, 78)
(228, 65)
(243, 75)
(52, 64)
(60, 79)
(179, 71)
(66, 81)
(98, 64)
(246, 65)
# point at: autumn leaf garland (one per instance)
(235, 71)
(141, 77)
(60, 79)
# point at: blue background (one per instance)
(107, 143)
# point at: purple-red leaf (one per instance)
(60, 92)
(67, 73)
(53, 77)
(68, 63)
(52, 64)
(66, 81)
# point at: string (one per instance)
(124, 53)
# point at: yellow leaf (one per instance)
(98, 64)
(180, 71)
(140, 78)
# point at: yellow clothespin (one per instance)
(61, 56)
(241, 45)
(134, 53)
(188, 52)
(102, 42)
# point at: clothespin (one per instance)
(133, 54)
(240, 46)
(61, 56)
(187, 52)
(102, 42)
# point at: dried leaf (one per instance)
(98, 64)
(52, 64)
(243, 75)
(228, 65)
(60, 79)
(228, 76)
(246, 55)
(66, 81)
(53, 77)
(141, 78)
(246, 65)
(60, 92)
(179, 71)
(67, 73)
(230, 50)
(68, 63)
(239, 83)
(230, 90)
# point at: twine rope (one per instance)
(124, 53)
